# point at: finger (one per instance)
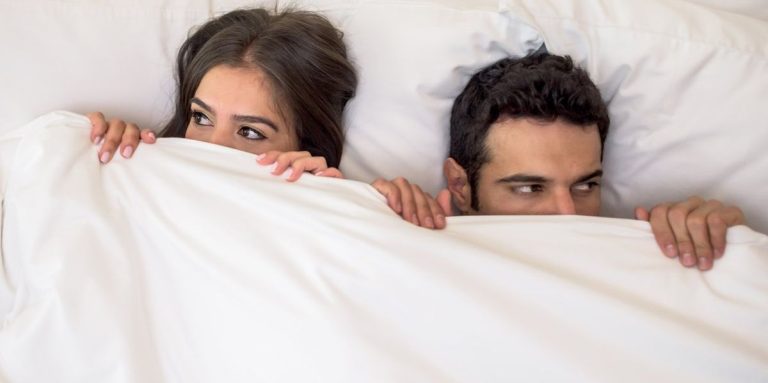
(444, 200)
(406, 200)
(330, 172)
(268, 158)
(718, 224)
(399, 198)
(148, 136)
(423, 209)
(298, 168)
(284, 161)
(438, 216)
(662, 231)
(307, 164)
(642, 214)
(111, 140)
(678, 216)
(130, 140)
(391, 192)
(698, 229)
(98, 126)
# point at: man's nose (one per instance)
(563, 203)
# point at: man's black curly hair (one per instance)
(542, 86)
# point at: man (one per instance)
(527, 137)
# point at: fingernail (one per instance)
(430, 223)
(259, 156)
(415, 219)
(104, 157)
(127, 151)
(441, 219)
(151, 135)
(96, 140)
(670, 251)
(688, 259)
(718, 253)
(319, 173)
(703, 263)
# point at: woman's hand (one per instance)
(299, 162)
(413, 204)
(117, 134)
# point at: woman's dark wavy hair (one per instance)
(303, 57)
(542, 86)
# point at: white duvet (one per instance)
(190, 263)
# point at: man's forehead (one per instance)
(522, 131)
(539, 147)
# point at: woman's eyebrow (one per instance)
(256, 120)
(203, 105)
(238, 117)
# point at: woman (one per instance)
(272, 84)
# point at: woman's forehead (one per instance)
(240, 90)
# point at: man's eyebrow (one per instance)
(529, 178)
(595, 174)
(256, 120)
(523, 178)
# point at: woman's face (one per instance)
(235, 107)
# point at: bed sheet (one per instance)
(191, 263)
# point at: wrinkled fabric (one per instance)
(191, 263)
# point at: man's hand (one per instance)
(413, 204)
(692, 230)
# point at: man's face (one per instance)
(538, 167)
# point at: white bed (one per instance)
(190, 263)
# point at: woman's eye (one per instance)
(201, 119)
(250, 133)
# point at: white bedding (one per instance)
(190, 263)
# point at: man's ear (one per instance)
(458, 184)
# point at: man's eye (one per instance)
(200, 119)
(587, 186)
(250, 133)
(528, 189)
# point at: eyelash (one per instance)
(592, 185)
(534, 189)
(197, 118)
(259, 135)
(201, 119)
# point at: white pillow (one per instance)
(751, 8)
(414, 58)
(687, 87)
(680, 77)
(114, 56)
(117, 57)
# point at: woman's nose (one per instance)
(221, 136)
